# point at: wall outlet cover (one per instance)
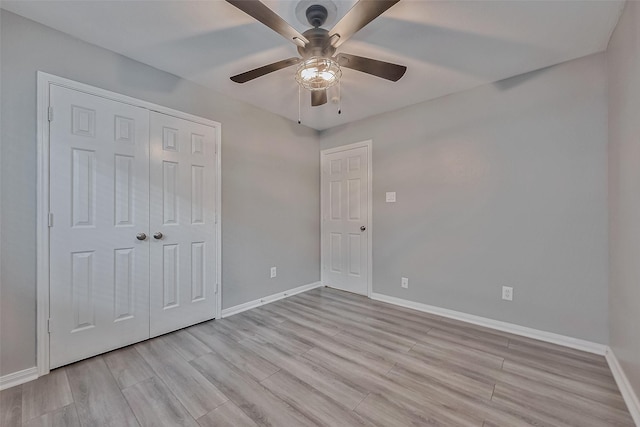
(390, 197)
(507, 293)
(404, 282)
(273, 272)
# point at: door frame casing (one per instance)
(44, 81)
(368, 144)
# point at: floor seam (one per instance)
(120, 389)
(362, 400)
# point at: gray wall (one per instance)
(505, 184)
(623, 57)
(270, 176)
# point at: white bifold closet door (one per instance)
(183, 245)
(133, 235)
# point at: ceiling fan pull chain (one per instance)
(299, 121)
(339, 97)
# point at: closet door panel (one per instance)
(182, 220)
(99, 199)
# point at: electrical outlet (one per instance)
(507, 293)
(273, 272)
(404, 283)
(390, 197)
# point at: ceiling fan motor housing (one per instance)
(319, 44)
(319, 40)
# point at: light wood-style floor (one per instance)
(326, 357)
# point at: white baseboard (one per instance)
(511, 328)
(629, 395)
(17, 378)
(266, 300)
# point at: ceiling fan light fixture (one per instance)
(318, 73)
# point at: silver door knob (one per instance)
(362, 228)
(141, 236)
(157, 235)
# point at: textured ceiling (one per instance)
(448, 46)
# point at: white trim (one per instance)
(269, 299)
(576, 343)
(218, 213)
(44, 80)
(629, 395)
(42, 226)
(369, 146)
(17, 378)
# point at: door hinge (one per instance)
(50, 219)
(50, 114)
(49, 326)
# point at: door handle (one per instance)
(141, 236)
(157, 235)
(362, 228)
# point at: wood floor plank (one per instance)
(321, 379)
(435, 347)
(63, 417)
(98, 399)
(607, 414)
(417, 387)
(11, 407)
(381, 411)
(523, 410)
(331, 324)
(45, 394)
(236, 354)
(224, 327)
(260, 319)
(594, 392)
(287, 343)
(536, 356)
(478, 384)
(155, 406)
(185, 344)
(304, 321)
(314, 405)
(226, 415)
(483, 374)
(127, 366)
(262, 406)
(197, 394)
(558, 408)
(363, 327)
(346, 350)
(527, 344)
(575, 369)
(395, 390)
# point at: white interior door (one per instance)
(99, 270)
(345, 205)
(183, 230)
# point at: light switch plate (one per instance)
(391, 197)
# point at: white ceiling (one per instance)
(448, 46)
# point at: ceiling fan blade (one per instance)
(259, 72)
(268, 17)
(318, 97)
(358, 16)
(385, 70)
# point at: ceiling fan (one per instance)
(319, 69)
